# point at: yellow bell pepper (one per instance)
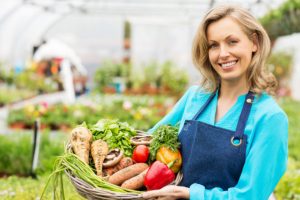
(166, 155)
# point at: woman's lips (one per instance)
(228, 65)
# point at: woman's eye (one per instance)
(232, 42)
(212, 46)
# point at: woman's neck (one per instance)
(232, 90)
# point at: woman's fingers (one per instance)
(168, 192)
(151, 194)
(158, 193)
(154, 195)
(166, 198)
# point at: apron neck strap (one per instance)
(205, 105)
(244, 115)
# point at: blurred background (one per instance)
(64, 62)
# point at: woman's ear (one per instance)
(254, 39)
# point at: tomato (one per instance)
(140, 153)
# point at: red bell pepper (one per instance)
(158, 176)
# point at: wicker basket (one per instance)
(90, 192)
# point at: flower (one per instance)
(127, 105)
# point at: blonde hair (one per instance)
(259, 78)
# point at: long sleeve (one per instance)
(176, 113)
(264, 166)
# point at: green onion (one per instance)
(78, 168)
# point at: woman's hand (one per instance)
(169, 192)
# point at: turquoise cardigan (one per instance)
(267, 148)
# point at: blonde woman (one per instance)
(233, 134)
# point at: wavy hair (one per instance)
(259, 78)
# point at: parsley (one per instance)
(164, 135)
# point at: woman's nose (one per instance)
(223, 52)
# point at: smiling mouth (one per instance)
(228, 64)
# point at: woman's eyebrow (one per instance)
(227, 37)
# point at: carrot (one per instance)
(99, 151)
(124, 162)
(124, 174)
(81, 139)
(135, 182)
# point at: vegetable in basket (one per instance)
(124, 162)
(135, 182)
(164, 135)
(140, 153)
(113, 157)
(116, 134)
(159, 175)
(81, 140)
(75, 161)
(71, 164)
(167, 155)
(99, 150)
(119, 177)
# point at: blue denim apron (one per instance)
(213, 156)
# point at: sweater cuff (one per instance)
(197, 192)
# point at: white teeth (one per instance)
(227, 65)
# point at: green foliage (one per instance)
(12, 94)
(105, 74)
(157, 76)
(58, 115)
(139, 114)
(116, 134)
(127, 30)
(280, 64)
(292, 109)
(51, 146)
(72, 163)
(289, 186)
(29, 79)
(174, 78)
(164, 135)
(151, 74)
(284, 20)
(16, 153)
(6, 76)
(16, 188)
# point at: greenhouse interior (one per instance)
(108, 76)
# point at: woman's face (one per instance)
(230, 50)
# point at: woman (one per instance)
(233, 134)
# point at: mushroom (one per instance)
(112, 158)
(141, 139)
